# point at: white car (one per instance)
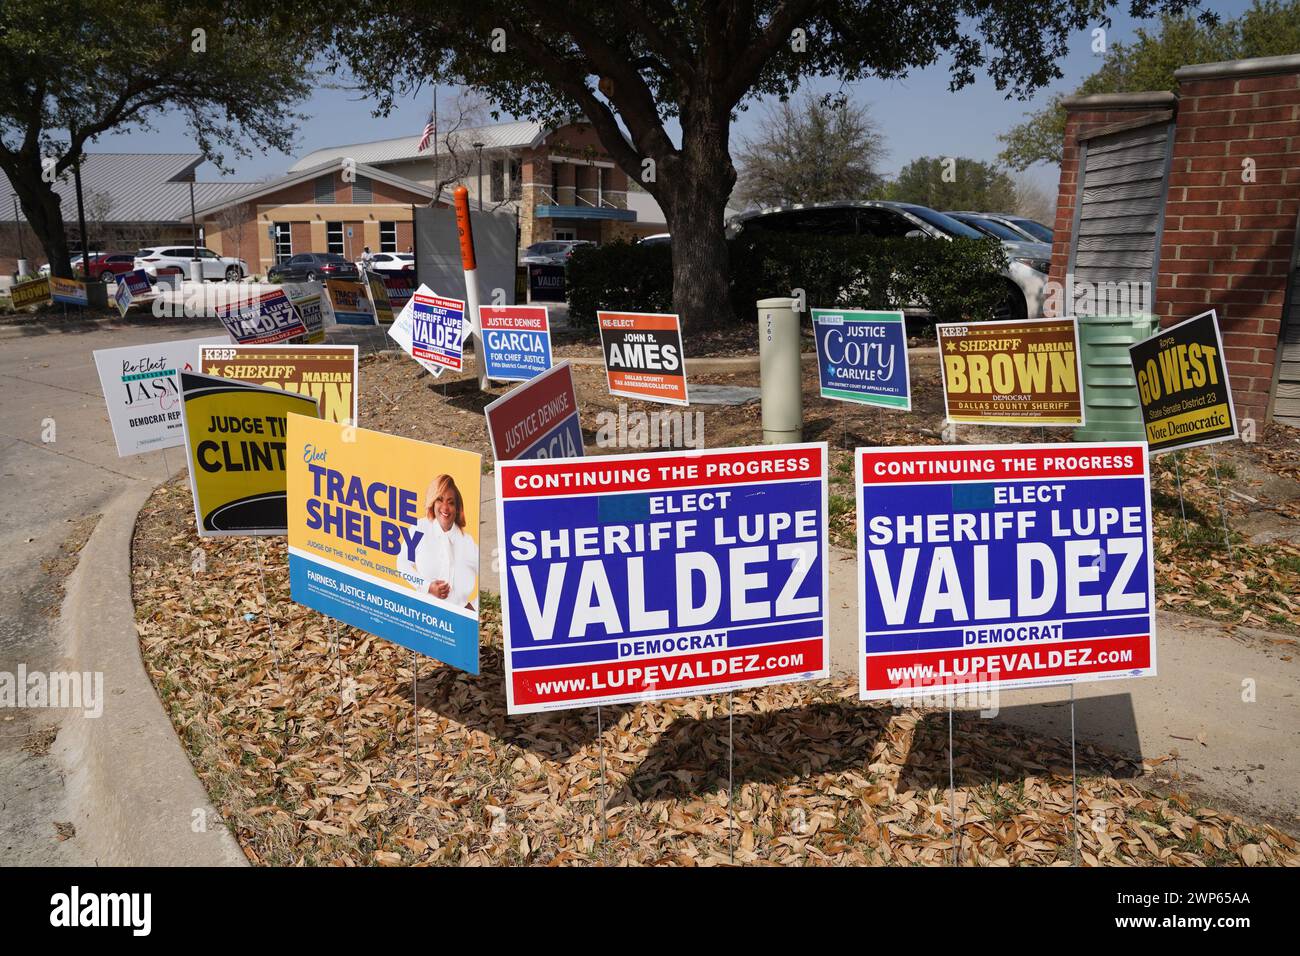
(195, 264)
(392, 262)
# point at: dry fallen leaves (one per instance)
(304, 734)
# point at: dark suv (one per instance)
(310, 266)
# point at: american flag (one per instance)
(430, 131)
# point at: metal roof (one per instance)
(494, 136)
(137, 187)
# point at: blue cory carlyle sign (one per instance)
(862, 357)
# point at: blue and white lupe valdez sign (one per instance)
(862, 357)
(432, 329)
(1003, 566)
(639, 577)
(516, 341)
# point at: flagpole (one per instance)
(436, 180)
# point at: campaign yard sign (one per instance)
(122, 298)
(862, 357)
(235, 442)
(546, 283)
(308, 299)
(516, 341)
(640, 577)
(537, 420)
(379, 297)
(141, 392)
(262, 319)
(1012, 373)
(1182, 382)
(399, 286)
(349, 302)
(643, 356)
(69, 291)
(130, 287)
(383, 535)
(437, 331)
(29, 293)
(1003, 566)
(325, 373)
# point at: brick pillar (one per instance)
(1231, 217)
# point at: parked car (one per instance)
(392, 262)
(195, 264)
(310, 266)
(1024, 282)
(1030, 230)
(106, 266)
(73, 260)
(553, 252)
(658, 239)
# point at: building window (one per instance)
(283, 242)
(388, 237)
(325, 189)
(516, 179)
(361, 190)
(334, 237)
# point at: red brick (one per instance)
(1209, 222)
(1199, 296)
(1256, 146)
(1178, 237)
(1217, 115)
(1238, 355)
(1198, 208)
(1280, 98)
(1257, 340)
(1266, 222)
(1196, 179)
(1263, 114)
(1268, 130)
(1249, 207)
(1245, 253)
(1215, 134)
(1202, 149)
(1213, 193)
(1262, 84)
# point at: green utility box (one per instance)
(1110, 396)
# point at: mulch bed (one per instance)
(305, 734)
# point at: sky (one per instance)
(918, 115)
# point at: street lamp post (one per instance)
(22, 253)
(479, 148)
(194, 235)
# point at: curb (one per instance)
(136, 795)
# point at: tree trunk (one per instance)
(697, 186)
(41, 207)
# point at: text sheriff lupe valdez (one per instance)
(920, 588)
(376, 515)
(748, 565)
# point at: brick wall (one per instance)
(1230, 220)
(1229, 225)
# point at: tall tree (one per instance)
(633, 67)
(954, 182)
(1268, 28)
(812, 150)
(73, 70)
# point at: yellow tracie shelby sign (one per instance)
(235, 444)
